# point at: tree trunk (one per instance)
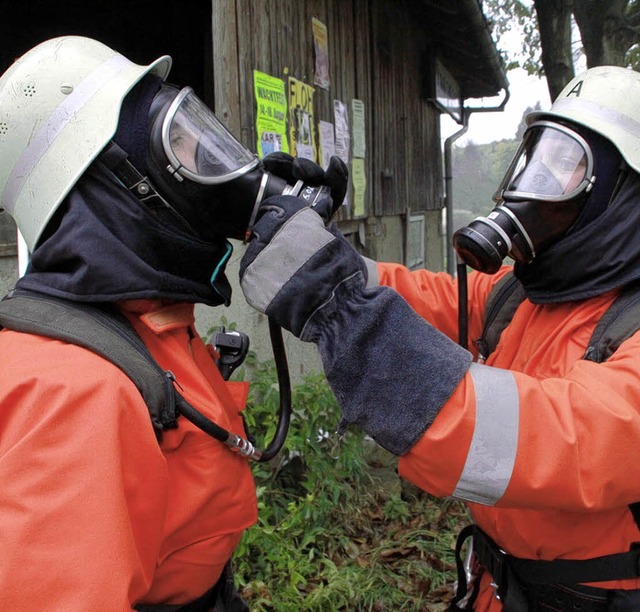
(554, 23)
(604, 31)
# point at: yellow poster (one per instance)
(271, 114)
(359, 179)
(301, 123)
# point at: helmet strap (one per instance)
(622, 175)
(116, 160)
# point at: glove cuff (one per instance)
(390, 370)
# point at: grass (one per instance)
(337, 529)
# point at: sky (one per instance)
(486, 127)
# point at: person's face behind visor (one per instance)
(195, 163)
(546, 184)
(553, 164)
(198, 146)
(539, 199)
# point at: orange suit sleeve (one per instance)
(81, 510)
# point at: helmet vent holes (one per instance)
(4, 128)
(29, 90)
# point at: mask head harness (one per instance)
(539, 198)
(193, 171)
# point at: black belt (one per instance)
(528, 585)
(222, 596)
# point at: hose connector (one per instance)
(243, 446)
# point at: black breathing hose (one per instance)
(284, 385)
(235, 441)
(463, 315)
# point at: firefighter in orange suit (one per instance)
(95, 513)
(540, 442)
(119, 184)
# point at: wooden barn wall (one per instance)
(376, 54)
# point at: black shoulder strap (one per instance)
(617, 324)
(502, 303)
(102, 330)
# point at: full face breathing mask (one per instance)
(539, 198)
(204, 173)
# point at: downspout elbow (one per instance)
(448, 171)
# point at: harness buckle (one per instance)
(232, 347)
(494, 559)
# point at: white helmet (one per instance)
(59, 107)
(605, 99)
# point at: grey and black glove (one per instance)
(294, 263)
(390, 370)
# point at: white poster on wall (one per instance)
(342, 134)
(327, 142)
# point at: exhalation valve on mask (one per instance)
(486, 241)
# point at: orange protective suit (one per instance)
(542, 445)
(95, 514)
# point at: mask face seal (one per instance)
(539, 198)
(199, 167)
(207, 177)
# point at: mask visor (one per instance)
(552, 164)
(199, 147)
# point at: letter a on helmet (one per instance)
(605, 100)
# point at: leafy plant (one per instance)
(335, 530)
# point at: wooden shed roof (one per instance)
(459, 34)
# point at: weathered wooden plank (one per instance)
(323, 102)
(361, 34)
(225, 63)
(376, 54)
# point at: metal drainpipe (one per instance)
(448, 174)
(448, 196)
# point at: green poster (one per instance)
(271, 114)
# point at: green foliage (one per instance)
(604, 32)
(632, 57)
(507, 17)
(335, 531)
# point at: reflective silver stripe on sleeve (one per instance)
(56, 122)
(373, 279)
(299, 239)
(492, 454)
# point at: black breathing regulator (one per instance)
(486, 241)
(266, 185)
